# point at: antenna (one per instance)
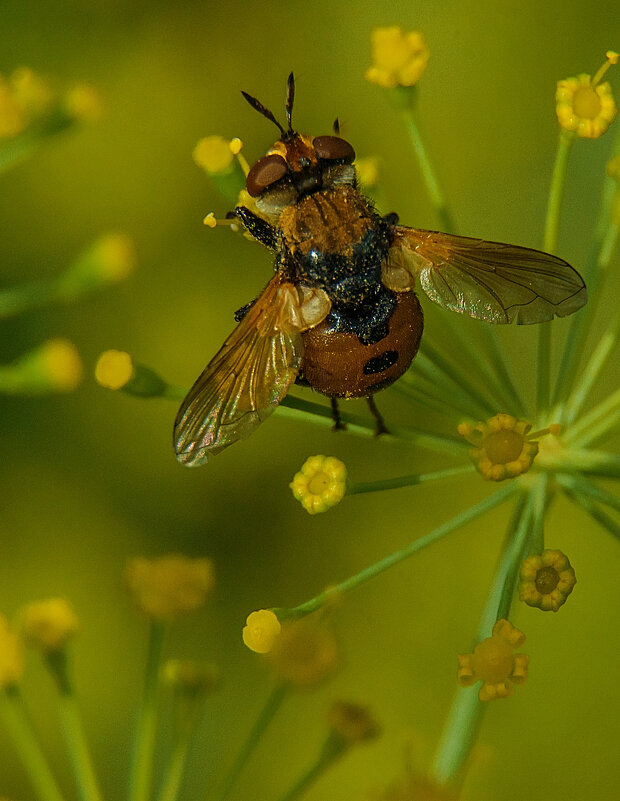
(290, 99)
(258, 106)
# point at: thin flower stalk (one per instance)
(460, 520)
(429, 174)
(595, 512)
(300, 409)
(146, 725)
(592, 370)
(174, 770)
(73, 729)
(266, 715)
(552, 227)
(591, 462)
(457, 377)
(583, 486)
(357, 488)
(421, 384)
(597, 423)
(444, 386)
(462, 725)
(19, 727)
(577, 337)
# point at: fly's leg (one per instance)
(338, 424)
(380, 427)
(260, 229)
(240, 313)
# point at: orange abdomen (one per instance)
(340, 366)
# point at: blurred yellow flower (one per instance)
(261, 631)
(304, 653)
(320, 484)
(53, 367)
(352, 723)
(83, 102)
(494, 663)
(546, 580)
(503, 447)
(114, 369)
(367, 170)
(48, 624)
(11, 655)
(585, 105)
(170, 586)
(215, 154)
(399, 58)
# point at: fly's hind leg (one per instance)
(380, 427)
(338, 424)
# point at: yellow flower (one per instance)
(320, 484)
(170, 586)
(261, 631)
(11, 656)
(114, 369)
(215, 154)
(48, 624)
(494, 663)
(367, 170)
(352, 723)
(399, 58)
(585, 105)
(546, 580)
(503, 446)
(83, 102)
(304, 653)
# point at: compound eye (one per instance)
(333, 148)
(264, 173)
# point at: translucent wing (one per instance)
(488, 280)
(245, 380)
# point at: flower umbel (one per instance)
(494, 663)
(503, 446)
(585, 105)
(169, 587)
(546, 580)
(261, 631)
(399, 58)
(320, 484)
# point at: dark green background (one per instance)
(89, 479)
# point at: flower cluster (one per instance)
(494, 663)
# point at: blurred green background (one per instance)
(89, 479)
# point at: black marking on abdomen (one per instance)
(378, 364)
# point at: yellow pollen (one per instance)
(546, 580)
(503, 446)
(319, 483)
(587, 103)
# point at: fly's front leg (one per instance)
(338, 424)
(260, 229)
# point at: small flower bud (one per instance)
(261, 631)
(48, 624)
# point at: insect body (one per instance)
(340, 313)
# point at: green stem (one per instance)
(595, 512)
(174, 772)
(73, 729)
(428, 171)
(17, 723)
(592, 370)
(300, 409)
(357, 488)
(596, 423)
(265, 717)
(324, 760)
(599, 463)
(463, 722)
(146, 725)
(584, 487)
(335, 591)
(457, 377)
(552, 226)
